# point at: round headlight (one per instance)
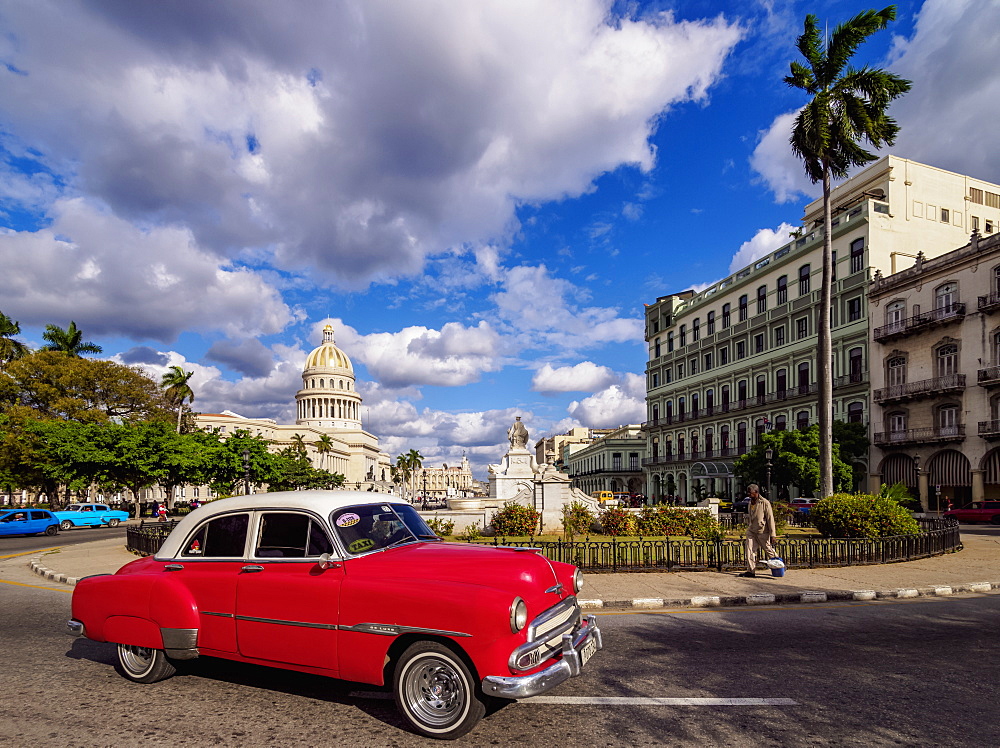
(518, 615)
(577, 581)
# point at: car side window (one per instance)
(87, 509)
(290, 535)
(39, 515)
(222, 537)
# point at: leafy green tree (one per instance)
(53, 384)
(795, 461)
(68, 341)
(292, 471)
(852, 440)
(10, 347)
(229, 469)
(847, 106)
(177, 390)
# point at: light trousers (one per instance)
(757, 541)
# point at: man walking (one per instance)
(761, 531)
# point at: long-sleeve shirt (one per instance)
(760, 518)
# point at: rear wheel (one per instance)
(52, 529)
(65, 525)
(143, 665)
(113, 522)
(435, 692)
(996, 519)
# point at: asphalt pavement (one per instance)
(976, 568)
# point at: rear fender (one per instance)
(135, 631)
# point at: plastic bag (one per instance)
(775, 563)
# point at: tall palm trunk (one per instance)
(825, 353)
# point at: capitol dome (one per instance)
(328, 399)
(327, 355)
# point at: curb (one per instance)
(704, 601)
(804, 597)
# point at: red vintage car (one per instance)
(352, 585)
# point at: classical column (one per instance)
(978, 485)
(923, 489)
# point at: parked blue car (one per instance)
(28, 522)
(93, 515)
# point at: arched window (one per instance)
(656, 348)
(782, 289)
(683, 335)
(695, 329)
(896, 425)
(744, 303)
(857, 255)
(802, 420)
(947, 360)
(741, 437)
(694, 404)
(895, 371)
(947, 420)
(945, 297)
(761, 299)
(855, 364)
(709, 401)
(803, 280)
(741, 392)
(780, 423)
(710, 323)
(724, 438)
(855, 413)
(670, 411)
(761, 392)
(725, 315)
(803, 382)
(708, 443)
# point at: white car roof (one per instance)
(320, 502)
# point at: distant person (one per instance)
(162, 512)
(761, 531)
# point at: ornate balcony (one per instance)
(989, 430)
(920, 322)
(936, 434)
(989, 304)
(988, 377)
(925, 388)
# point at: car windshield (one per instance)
(373, 527)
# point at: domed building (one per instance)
(327, 417)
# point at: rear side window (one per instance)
(39, 515)
(223, 537)
(290, 535)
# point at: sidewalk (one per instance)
(974, 569)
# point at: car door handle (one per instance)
(252, 569)
(173, 567)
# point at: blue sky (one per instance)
(479, 196)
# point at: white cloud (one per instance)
(452, 356)
(351, 139)
(585, 376)
(617, 405)
(777, 166)
(763, 243)
(112, 277)
(541, 308)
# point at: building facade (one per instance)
(444, 482)
(612, 462)
(739, 358)
(936, 376)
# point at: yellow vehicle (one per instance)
(602, 496)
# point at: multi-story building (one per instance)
(443, 482)
(556, 449)
(936, 376)
(738, 358)
(612, 462)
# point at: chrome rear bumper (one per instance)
(569, 666)
(75, 628)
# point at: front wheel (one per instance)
(113, 522)
(435, 691)
(65, 525)
(143, 665)
(51, 529)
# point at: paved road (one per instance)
(23, 544)
(914, 673)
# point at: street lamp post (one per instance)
(768, 454)
(246, 471)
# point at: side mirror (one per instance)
(326, 561)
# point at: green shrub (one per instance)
(663, 520)
(441, 527)
(617, 520)
(472, 532)
(577, 518)
(515, 519)
(900, 493)
(703, 524)
(861, 516)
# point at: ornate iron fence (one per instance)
(936, 538)
(147, 537)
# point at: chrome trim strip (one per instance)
(220, 615)
(384, 629)
(553, 618)
(179, 638)
(301, 624)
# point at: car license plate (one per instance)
(587, 650)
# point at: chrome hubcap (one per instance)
(135, 659)
(435, 691)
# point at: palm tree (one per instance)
(299, 444)
(323, 445)
(847, 106)
(10, 347)
(177, 389)
(68, 341)
(415, 461)
(402, 471)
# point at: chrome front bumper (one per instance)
(75, 628)
(569, 666)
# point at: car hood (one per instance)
(502, 568)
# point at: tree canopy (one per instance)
(795, 461)
(68, 341)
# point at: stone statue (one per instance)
(517, 434)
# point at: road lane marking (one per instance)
(657, 701)
(768, 608)
(28, 553)
(37, 586)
